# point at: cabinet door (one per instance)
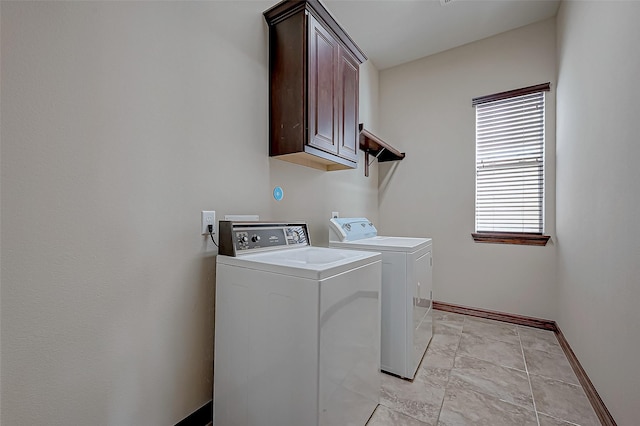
(348, 106)
(323, 102)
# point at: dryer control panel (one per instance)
(351, 229)
(237, 238)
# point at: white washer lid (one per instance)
(381, 243)
(315, 263)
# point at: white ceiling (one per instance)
(391, 32)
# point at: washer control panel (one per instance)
(249, 237)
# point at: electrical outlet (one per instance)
(335, 215)
(208, 218)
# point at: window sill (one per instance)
(510, 238)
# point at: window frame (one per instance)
(519, 238)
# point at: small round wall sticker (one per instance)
(278, 193)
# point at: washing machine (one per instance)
(297, 329)
(407, 290)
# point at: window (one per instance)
(510, 166)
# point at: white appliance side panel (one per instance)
(422, 337)
(419, 279)
(396, 305)
(349, 346)
(418, 274)
(231, 347)
(266, 349)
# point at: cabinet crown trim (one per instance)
(286, 8)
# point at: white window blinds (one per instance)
(510, 164)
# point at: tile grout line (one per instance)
(523, 322)
(455, 353)
(507, 367)
(524, 358)
(419, 367)
(492, 338)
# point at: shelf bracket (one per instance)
(377, 155)
(368, 163)
(371, 144)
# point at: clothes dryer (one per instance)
(296, 329)
(407, 291)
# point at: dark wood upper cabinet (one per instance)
(313, 72)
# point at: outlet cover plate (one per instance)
(208, 218)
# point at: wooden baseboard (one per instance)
(201, 417)
(596, 402)
(594, 398)
(494, 315)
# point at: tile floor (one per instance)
(483, 372)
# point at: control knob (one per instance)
(255, 238)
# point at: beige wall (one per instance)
(598, 205)
(121, 121)
(425, 110)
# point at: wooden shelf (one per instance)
(381, 150)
